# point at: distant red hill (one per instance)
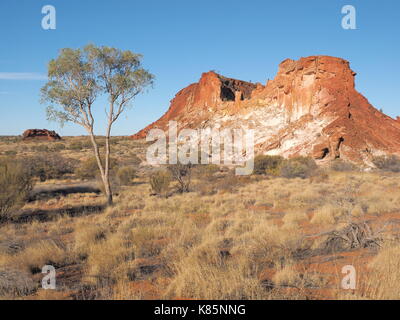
(40, 134)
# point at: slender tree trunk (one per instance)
(107, 184)
(103, 171)
(107, 157)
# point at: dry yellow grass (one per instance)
(213, 246)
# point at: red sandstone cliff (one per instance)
(310, 108)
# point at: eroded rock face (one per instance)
(202, 100)
(310, 108)
(40, 134)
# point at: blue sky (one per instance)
(180, 39)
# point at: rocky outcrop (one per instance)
(40, 134)
(310, 108)
(202, 99)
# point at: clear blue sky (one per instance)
(181, 39)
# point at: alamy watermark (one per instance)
(49, 20)
(349, 280)
(230, 147)
(349, 20)
(49, 280)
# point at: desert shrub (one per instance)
(125, 175)
(10, 152)
(89, 168)
(298, 167)
(342, 166)
(15, 185)
(181, 173)
(49, 166)
(58, 147)
(387, 163)
(76, 145)
(319, 175)
(40, 148)
(159, 182)
(15, 283)
(134, 159)
(206, 170)
(267, 164)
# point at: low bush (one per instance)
(49, 166)
(270, 165)
(206, 171)
(298, 167)
(182, 173)
(125, 175)
(134, 159)
(58, 147)
(387, 163)
(76, 145)
(159, 182)
(15, 185)
(89, 168)
(342, 166)
(10, 153)
(40, 148)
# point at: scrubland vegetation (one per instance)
(198, 232)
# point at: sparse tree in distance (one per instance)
(77, 77)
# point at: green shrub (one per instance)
(89, 168)
(15, 185)
(159, 182)
(264, 164)
(298, 167)
(387, 163)
(49, 166)
(125, 175)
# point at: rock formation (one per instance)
(40, 134)
(310, 108)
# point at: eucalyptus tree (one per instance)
(78, 77)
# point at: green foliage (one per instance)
(298, 167)
(15, 185)
(49, 166)
(89, 168)
(387, 163)
(342, 166)
(159, 182)
(270, 165)
(78, 76)
(125, 175)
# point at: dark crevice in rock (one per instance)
(325, 152)
(230, 86)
